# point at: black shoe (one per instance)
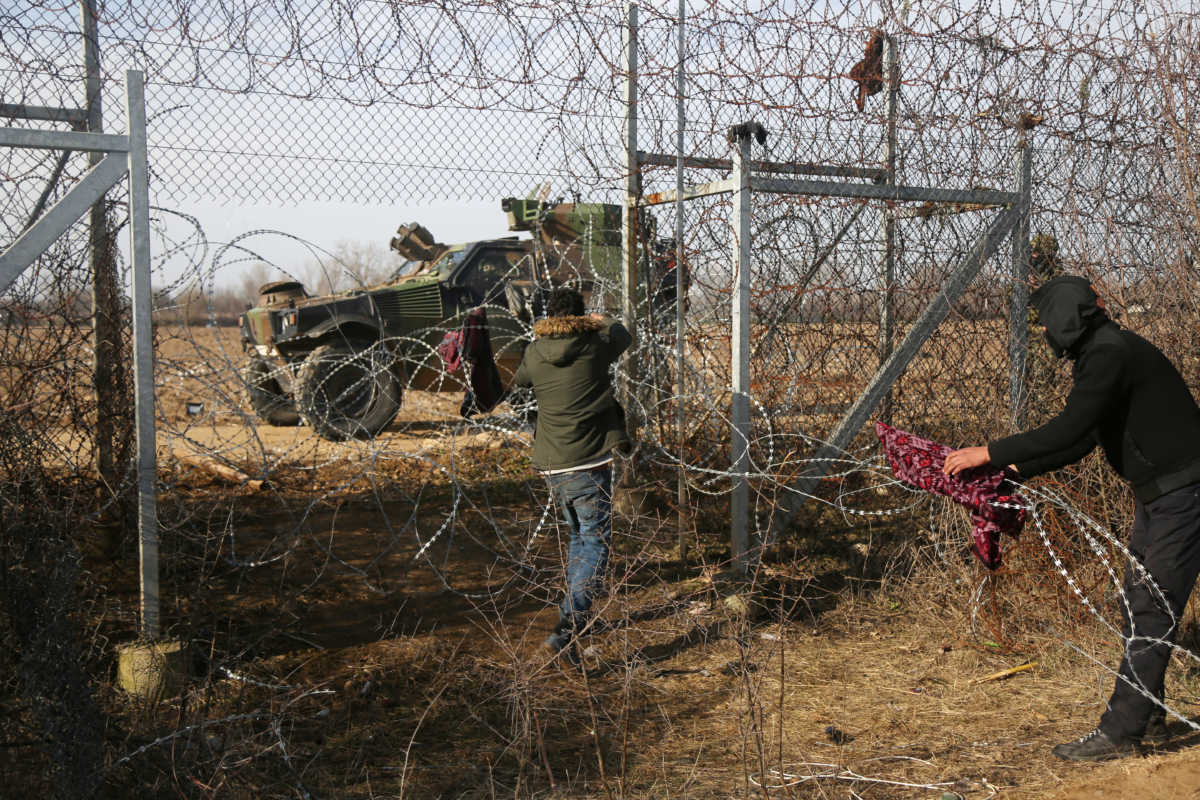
(1095, 746)
(558, 641)
(562, 643)
(1156, 731)
(567, 654)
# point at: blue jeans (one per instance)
(585, 499)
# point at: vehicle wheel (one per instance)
(267, 399)
(345, 391)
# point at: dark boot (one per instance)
(564, 643)
(1156, 731)
(563, 632)
(1096, 746)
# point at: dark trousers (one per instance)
(585, 500)
(1166, 540)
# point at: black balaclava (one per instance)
(1068, 307)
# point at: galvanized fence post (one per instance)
(143, 353)
(1018, 327)
(739, 503)
(683, 518)
(887, 323)
(107, 377)
(629, 218)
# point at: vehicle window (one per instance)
(447, 263)
(406, 269)
(488, 272)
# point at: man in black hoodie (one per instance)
(1128, 398)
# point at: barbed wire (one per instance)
(381, 102)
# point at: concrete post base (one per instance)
(152, 670)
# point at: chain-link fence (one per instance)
(270, 532)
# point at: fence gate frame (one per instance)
(749, 176)
(123, 155)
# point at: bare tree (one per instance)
(367, 264)
(351, 265)
(1176, 60)
(255, 275)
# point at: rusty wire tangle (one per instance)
(381, 103)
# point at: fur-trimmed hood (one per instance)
(560, 327)
(567, 365)
(561, 340)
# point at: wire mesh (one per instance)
(267, 529)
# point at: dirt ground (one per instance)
(846, 683)
(352, 637)
(1174, 776)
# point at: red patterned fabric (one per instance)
(473, 345)
(918, 462)
(451, 349)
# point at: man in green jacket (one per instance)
(579, 424)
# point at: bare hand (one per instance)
(966, 458)
(596, 316)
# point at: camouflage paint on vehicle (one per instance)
(575, 243)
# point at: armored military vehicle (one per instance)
(341, 362)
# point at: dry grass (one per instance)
(331, 659)
(433, 694)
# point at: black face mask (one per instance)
(1069, 309)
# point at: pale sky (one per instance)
(323, 224)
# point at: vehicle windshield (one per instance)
(406, 269)
(448, 262)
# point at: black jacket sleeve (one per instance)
(1098, 376)
(1038, 466)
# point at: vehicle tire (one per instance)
(267, 399)
(346, 391)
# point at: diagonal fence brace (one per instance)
(891, 370)
(61, 216)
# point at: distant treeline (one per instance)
(221, 306)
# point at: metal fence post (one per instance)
(143, 353)
(739, 502)
(683, 518)
(1018, 326)
(887, 322)
(107, 373)
(629, 219)
(630, 213)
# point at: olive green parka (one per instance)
(579, 420)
